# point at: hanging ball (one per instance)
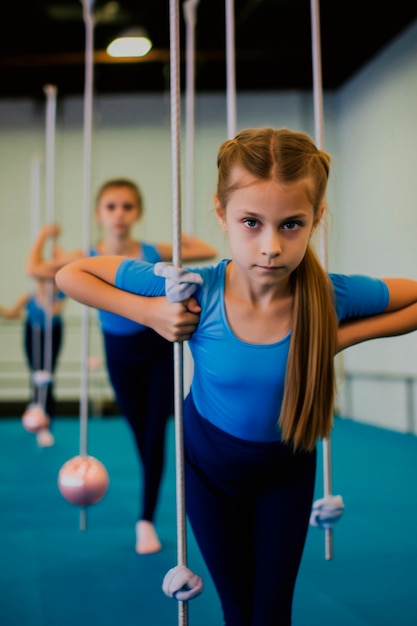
(83, 480)
(34, 418)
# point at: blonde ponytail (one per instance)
(308, 404)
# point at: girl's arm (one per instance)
(15, 312)
(399, 318)
(37, 266)
(192, 249)
(91, 281)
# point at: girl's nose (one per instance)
(271, 244)
(119, 209)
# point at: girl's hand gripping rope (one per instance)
(182, 584)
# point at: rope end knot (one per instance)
(327, 511)
(182, 584)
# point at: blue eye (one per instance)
(291, 225)
(251, 223)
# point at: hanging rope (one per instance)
(51, 92)
(179, 582)
(87, 140)
(83, 480)
(176, 257)
(35, 226)
(328, 510)
(34, 417)
(190, 9)
(35, 193)
(230, 69)
(42, 376)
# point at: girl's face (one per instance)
(117, 210)
(269, 226)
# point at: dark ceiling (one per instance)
(43, 41)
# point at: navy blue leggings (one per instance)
(141, 371)
(249, 506)
(34, 345)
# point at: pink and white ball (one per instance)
(83, 480)
(34, 418)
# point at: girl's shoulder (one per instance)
(148, 252)
(357, 295)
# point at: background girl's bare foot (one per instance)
(147, 540)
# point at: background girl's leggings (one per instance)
(141, 371)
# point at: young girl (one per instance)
(43, 306)
(263, 329)
(139, 361)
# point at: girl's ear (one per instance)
(220, 212)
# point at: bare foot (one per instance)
(147, 540)
(45, 438)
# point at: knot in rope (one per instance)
(182, 584)
(180, 284)
(327, 511)
(41, 378)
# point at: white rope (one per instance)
(87, 137)
(230, 69)
(42, 372)
(35, 197)
(35, 225)
(328, 503)
(190, 8)
(39, 394)
(50, 92)
(175, 97)
(83, 480)
(179, 582)
(190, 16)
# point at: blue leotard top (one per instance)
(239, 386)
(116, 324)
(35, 313)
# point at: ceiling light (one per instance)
(131, 43)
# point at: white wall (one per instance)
(375, 214)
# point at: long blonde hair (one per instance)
(288, 156)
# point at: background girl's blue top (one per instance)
(239, 386)
(116, 324)
(36, 314)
